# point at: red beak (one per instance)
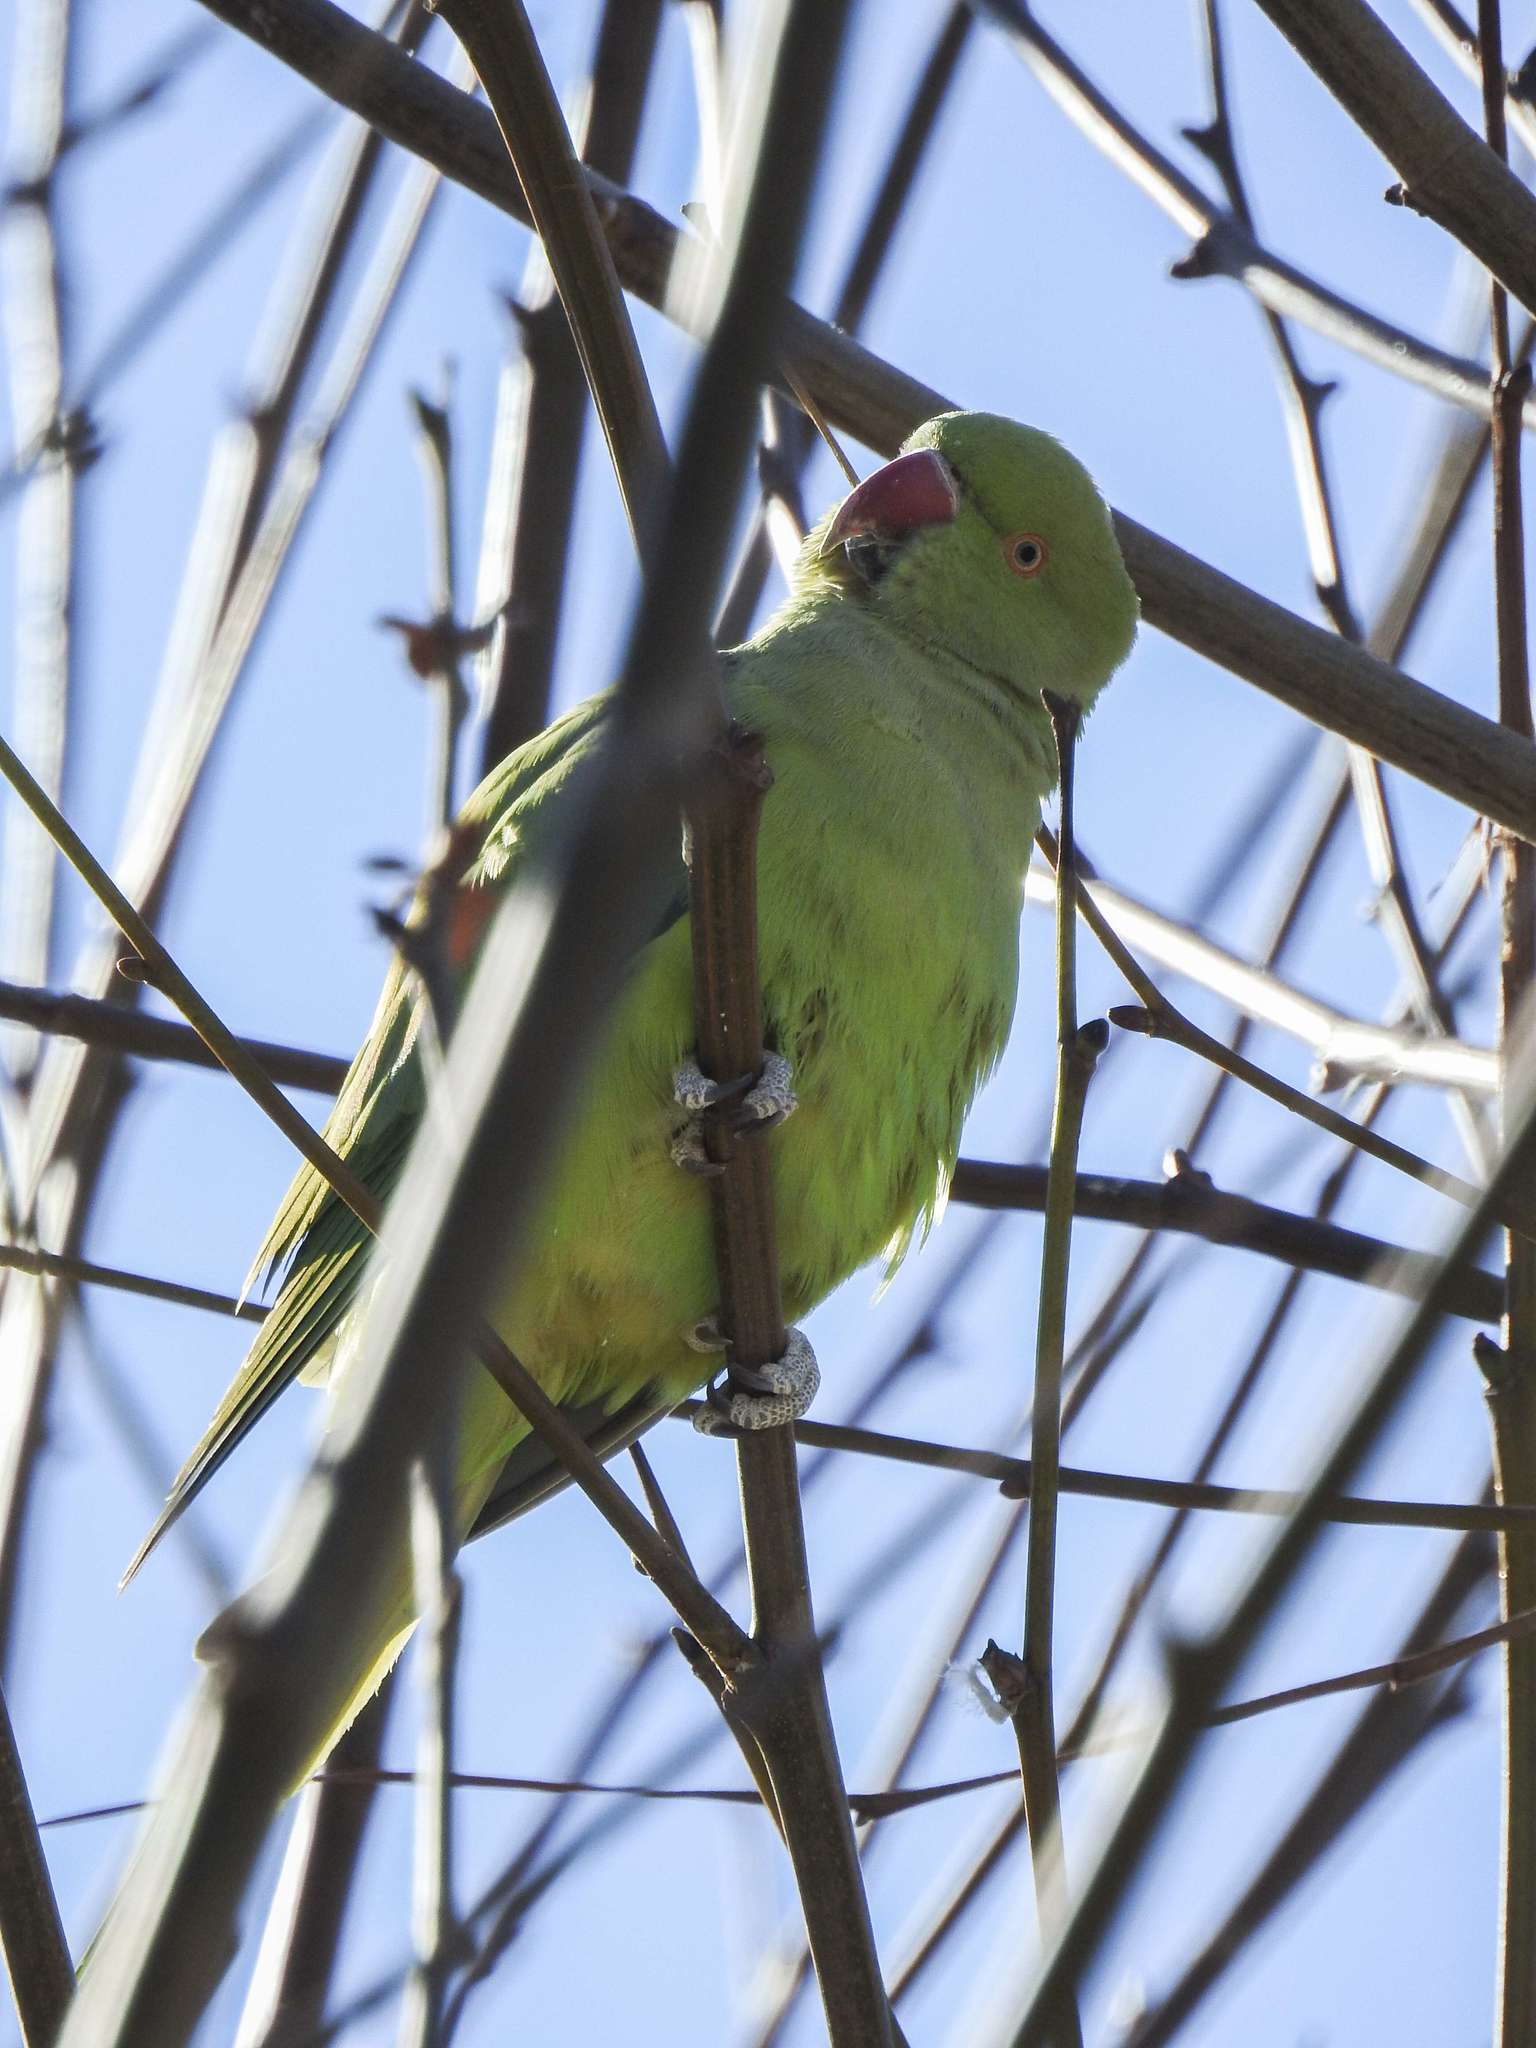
(915, 490)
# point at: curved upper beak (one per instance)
(915, 490)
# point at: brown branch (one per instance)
(1224, 244)
(1189, 1204)
(1448, 171)
(160, 1038)
(17, 1258)
(541, 419)
(786, 1711)
(1026, 1684)
(1014, 1477)
(505, 52)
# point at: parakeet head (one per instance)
(990, 540)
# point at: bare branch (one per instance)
(31, 1932)
(1224, 245)
(1347, 1048)
(505, 52)
(1448, 171)
(159, 1038)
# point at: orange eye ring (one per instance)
(1025, 553)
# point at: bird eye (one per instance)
(1026, 553)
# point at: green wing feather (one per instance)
(314, 1237)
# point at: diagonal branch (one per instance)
(541, 418)
(502, 46)
(31, 1932)
(1448, 170)
(1224, 242)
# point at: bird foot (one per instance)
(763, 1397)
(754, 1106)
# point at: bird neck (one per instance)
(949, 737)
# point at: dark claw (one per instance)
(702, 1169)
(745, 1125)
(717, 1395)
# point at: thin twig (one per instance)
(733, 1652)
(1028, 1690)
(19, 1258)
(435, 653)
(166, 976)
(1347, 1048)
(1014, 1478)
(1165, 1022)
(1448, 172)
(160, 1038)
(1188, 1203)
(1223, 244)
(1303, 398)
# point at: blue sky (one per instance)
(1031, 278)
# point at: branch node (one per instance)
(1007, 1675)
(1201, 261)
(1180, 1170)
(1134, 1017)
(1504, 1368)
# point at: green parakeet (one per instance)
(897, 692)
